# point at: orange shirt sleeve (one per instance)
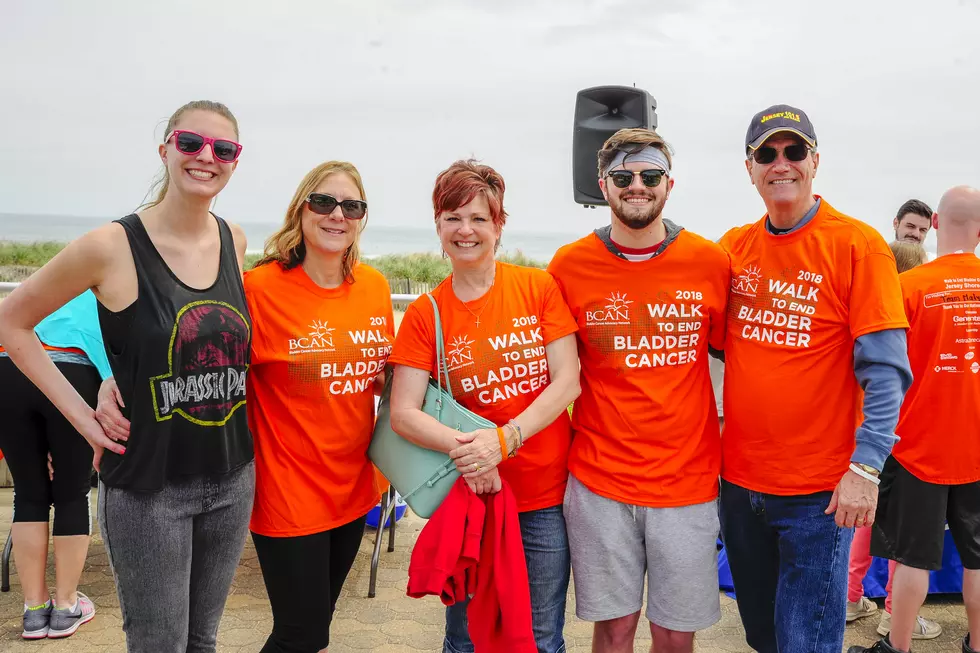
(910, 298)
(415, 344)
(876, 300)
(719, 317)
(556, 319)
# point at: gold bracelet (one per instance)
(868, 468)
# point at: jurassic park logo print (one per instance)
(208, 359)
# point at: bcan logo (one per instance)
(975, 368)
(747, 283)
(320, 338)
(616, 311)
(460, 352)
(968, 355)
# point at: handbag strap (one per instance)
(442, 367)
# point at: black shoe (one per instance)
(966, 645)
(883, 645)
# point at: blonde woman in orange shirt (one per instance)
(322, 331)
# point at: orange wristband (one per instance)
(503, 443)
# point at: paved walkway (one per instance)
(388, 623)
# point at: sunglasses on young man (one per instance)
(795, 152)
(324, 204)
(623, 178)
(190, 143)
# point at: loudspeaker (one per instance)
(600, 112)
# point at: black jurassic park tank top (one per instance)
(179, 356)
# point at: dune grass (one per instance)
(428, 269)
(30, 254)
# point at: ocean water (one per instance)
(378, 239)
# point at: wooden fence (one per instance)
(408, 287)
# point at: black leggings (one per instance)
(303, 577)
(31, 428)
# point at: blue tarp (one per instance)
(948, 580)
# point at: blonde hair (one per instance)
(287, 247)
(631, 140)
(908, 255)
(162, 183)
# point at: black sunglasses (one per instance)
(796, 152)
(324, 204)
(623, 178)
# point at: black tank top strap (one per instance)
(229, 256)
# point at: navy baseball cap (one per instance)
(775, 119)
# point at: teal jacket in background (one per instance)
(76, 324)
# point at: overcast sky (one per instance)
(403, 88)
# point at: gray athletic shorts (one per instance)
(613, 544)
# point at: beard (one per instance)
(635, 217)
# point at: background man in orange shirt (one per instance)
(933, 475)
(649, 297)
(815, 315)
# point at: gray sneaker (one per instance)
(65, 622)
(36, 621)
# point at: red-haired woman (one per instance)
(512, 359)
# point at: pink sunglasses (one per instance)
(190, 143)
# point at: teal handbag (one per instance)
(423, 477)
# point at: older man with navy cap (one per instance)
(815, 317)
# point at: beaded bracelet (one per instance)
(520, 436)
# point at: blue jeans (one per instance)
(789, 565)
(548, 569)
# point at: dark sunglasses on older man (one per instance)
(795, 152)
(623, 178)
(324, 204)
(190, 143)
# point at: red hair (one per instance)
(458, 184)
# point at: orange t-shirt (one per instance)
(499, 368)
(315, 353)
(939, 427)
(645, 429)
(798, 302)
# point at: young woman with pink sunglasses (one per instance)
(176, 493)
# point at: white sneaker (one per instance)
(924, 628)
(863, 607)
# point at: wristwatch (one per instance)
(868, 468)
